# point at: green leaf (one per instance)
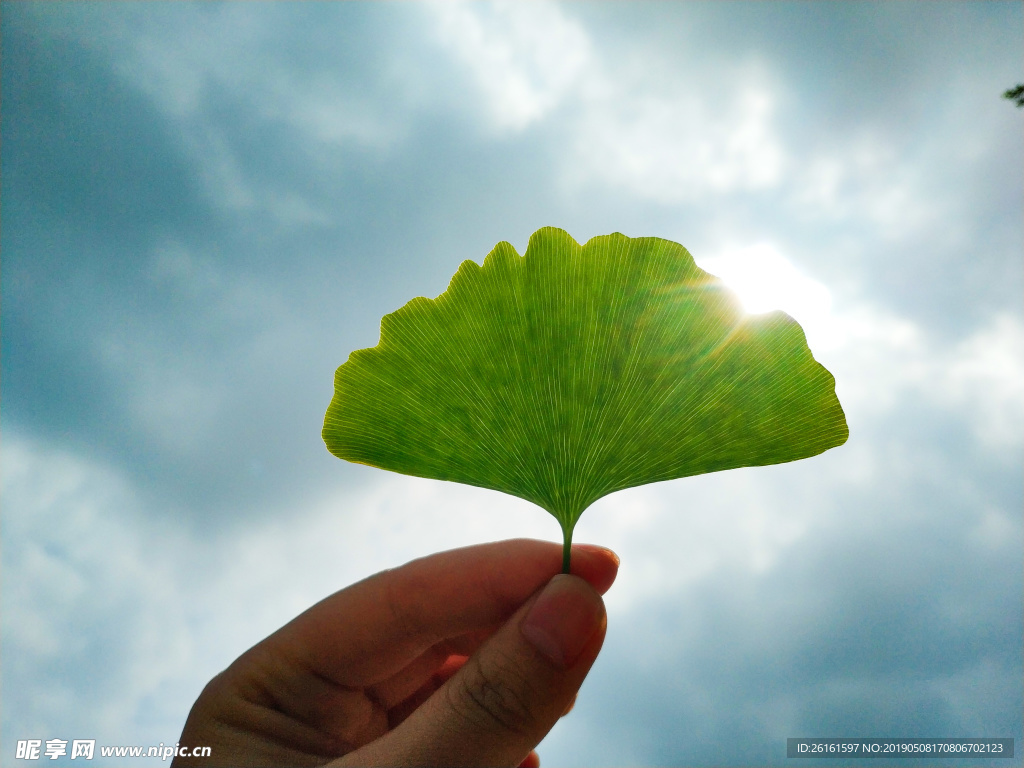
(576, 371)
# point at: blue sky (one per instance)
(207, 207)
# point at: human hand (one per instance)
(467, 657)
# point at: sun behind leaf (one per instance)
(576, 371)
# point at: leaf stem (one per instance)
(566, 547)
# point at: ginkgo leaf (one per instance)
(576, 371)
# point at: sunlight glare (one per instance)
(765, 280)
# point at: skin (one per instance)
(467, 657)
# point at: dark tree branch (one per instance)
(1015, 95)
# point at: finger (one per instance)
(437, 663)
(434, 663)
(596, 565)
(395, 689)
(532, 760)
(403, 612)
(569, 708)
(410, 678)
(400, 711)
(467, 644)
(507, 697)
(451, 666)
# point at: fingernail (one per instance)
(563, 619)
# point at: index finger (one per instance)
(372, 629)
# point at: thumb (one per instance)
(510, 693)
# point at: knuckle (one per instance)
(495, 696)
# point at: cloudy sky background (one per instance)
(207, 207)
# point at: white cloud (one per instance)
(177, 395)
(195, 63)
(677, 146)
(524, 57)
(184, 59)
(85, 597)
(626, 121)
(984, 373)
(690, 531)
(902, 181)
(882, 361)
(869, 179)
